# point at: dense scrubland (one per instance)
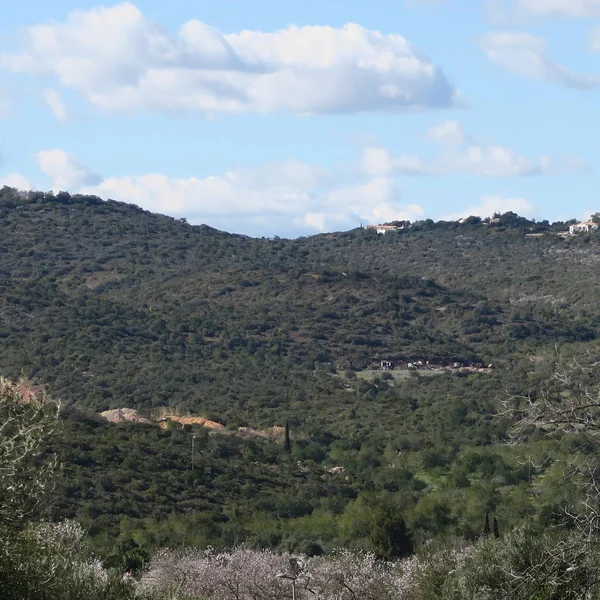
(451, 484)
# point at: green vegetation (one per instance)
(109, 306)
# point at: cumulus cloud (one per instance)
(16, 180)
(525, 55)
(56, 104)
(377, 200)
(121, 60)
(65, 171)
(448, 132)
(493, 204)
(459, 152)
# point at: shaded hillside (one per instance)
(113, 306)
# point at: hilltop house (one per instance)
(383, 229)
(584, 227)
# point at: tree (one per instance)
(287, 444)
(389, 535)
(567, 403)
(486, 526)
(496, 530)
(26, 419)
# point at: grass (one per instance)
(397, 374)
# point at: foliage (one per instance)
(50, 563)
(109, 306)
(25, 477)
(527, 565)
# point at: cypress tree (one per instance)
(486, 527)
(287, 444)
(496, 530)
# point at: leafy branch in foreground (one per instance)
(26, 420)
(568, 403)
(567, 406)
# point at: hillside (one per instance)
(112, 306)
(108, 307)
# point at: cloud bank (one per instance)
(289, 198)
(293, 198)
(461, 153)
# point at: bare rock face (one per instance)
(119, 415)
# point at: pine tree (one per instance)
(287, 444)
(496, 530)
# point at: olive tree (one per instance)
(565, 404)
(26, 419)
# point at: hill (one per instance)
(109, 306)
(112, 306)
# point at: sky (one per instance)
(294, 117)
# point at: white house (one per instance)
(383, 229)
(584, 227)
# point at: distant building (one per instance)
(584, 227)
(383, 229)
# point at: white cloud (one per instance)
(121, 60)
(559, 8)
(377, 161)
(492, 204)
(375, 201)
(461, 153)
(57, 106)
(65, 171)
(315, 220)
(449, 132)
(525, 54)
(288, 198)
(15, 180)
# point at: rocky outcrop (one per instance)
(120, 415)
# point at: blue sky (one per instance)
(290, 117)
